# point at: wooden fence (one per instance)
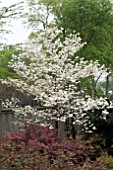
(6, 119)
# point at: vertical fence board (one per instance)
(6, 119)
(61, 132)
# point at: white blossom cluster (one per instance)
(48, 72)
(12, 103)
(101, 105)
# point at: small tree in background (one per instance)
(48, 73)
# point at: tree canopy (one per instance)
(92, 19)
(48, 72)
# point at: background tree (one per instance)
(5, 57)
(38, 15)
(6, 53)
(93, 20)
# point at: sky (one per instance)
(19, 32)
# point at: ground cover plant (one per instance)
(38, 148)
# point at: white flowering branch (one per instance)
(49, 73)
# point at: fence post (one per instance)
(61, 132)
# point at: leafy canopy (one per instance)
(92, 19)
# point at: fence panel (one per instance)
(6, 120)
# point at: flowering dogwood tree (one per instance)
(48, 72)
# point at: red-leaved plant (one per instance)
(37, 148)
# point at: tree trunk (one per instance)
(107, 83)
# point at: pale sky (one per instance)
(19, 33)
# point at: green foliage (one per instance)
(103, 162)
(5, 57)
(103, 127)
(106, 160)
(93, 20)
